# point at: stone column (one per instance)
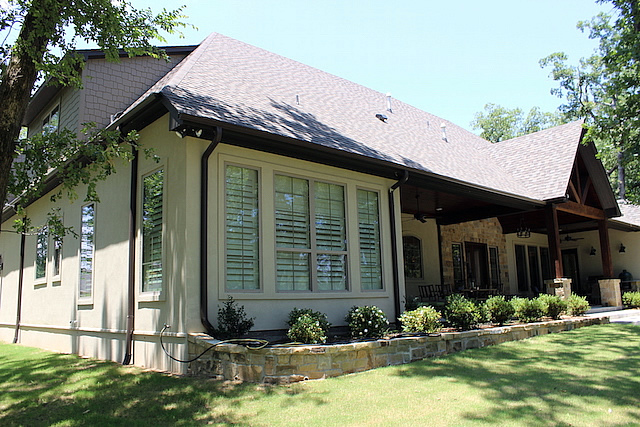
(610, 292)
(560, 287)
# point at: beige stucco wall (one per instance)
(428, 234)
(270, 307)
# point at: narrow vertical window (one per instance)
(521, 268)
(534, 270)
(458, 266)
(331, 237)
(57, 257)
(87, 250)
(412, 250)
(41, 253)
(370, 245)
(242, 226)
(152, 213)
(494, 266)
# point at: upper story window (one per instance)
(152, 227)
(51, 122)
(87, 251)
(310, 235)
(242, 227)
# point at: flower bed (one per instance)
(288, 364)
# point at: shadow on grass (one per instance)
(537, 380)
(62, 389)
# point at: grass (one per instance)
(589, 376)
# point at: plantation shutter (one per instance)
(330, 233)
(242, 228)
(152, 212)
(369, 232)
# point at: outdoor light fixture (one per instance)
(593, 251)
(523, 231)
(622, 249)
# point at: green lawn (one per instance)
(589, 376)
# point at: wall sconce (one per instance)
(593, 251)
(622, 249)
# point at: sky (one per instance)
(449, 58)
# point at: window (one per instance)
(545, 263)
(41, 253)
(521, 268)
(57, 257)
(412, 250)
(494, 266)
(534, 270)
(87, 249)
(310, 235)
(369, 232)
(458, 266)
(51, 122)
(242, 227)
(152, 212)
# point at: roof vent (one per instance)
(382, 117)
(389, 102)
(444, 132)
(297, 99)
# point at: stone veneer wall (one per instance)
(288, 364)
(488, 231)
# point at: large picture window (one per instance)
(369, 231)
(87, 249)
(152, 214)
(310, 235)
(242, 227)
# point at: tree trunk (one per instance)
(19, 78)
(621, 189)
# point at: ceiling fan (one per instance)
(568, 238)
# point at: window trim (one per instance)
(223, 221)
(157, 295)
(381, 243)
(87, 300)
(42, 280)
(313, 251)
(47, 118)
(420, 247)
(56, 279)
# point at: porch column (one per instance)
(605, 249)
(553, 235)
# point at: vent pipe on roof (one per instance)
(389, 102)
(297, 99)
(444, 132)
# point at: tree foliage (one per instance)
(38, 39)
(499, 123)
(604, 89)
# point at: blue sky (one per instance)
(449, 58)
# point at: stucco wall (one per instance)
(428, 234)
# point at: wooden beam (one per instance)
(585, 190)
(553, 236)
(574, 192)
(581, 210)
(605, 249)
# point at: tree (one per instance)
(604, 89)
(499, 123)
(43, 50)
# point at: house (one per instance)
(284, 186)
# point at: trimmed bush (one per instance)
(367, 322)
(232, 320)
(499, 310)
(320, 317)
(530, 310)
(631, 299)
(577, 305)
(307, 330)
(517, 303)
(552, 305)
(422, 319)
(462, 313)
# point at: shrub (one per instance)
(321, 318)
(307, 330)
(462, 313)
(499, 310)
(631, 299)
(577, 305)
(422, 319)
(517, 303)
(367, 322)
(232, 320)
(552, 305)
(530, 310)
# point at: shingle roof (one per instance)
(233, 82)
(630, 214)
(544, 160)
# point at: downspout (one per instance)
(394, 244)
(20, 280)
(204, 212)
(131, 292)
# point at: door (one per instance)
(571, 269)
(477, 265)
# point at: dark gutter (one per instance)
(395, 268)
(204, 224)
(131, 285)
(20, 281)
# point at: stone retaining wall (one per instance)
(288, 364)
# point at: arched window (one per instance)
(412, 249)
